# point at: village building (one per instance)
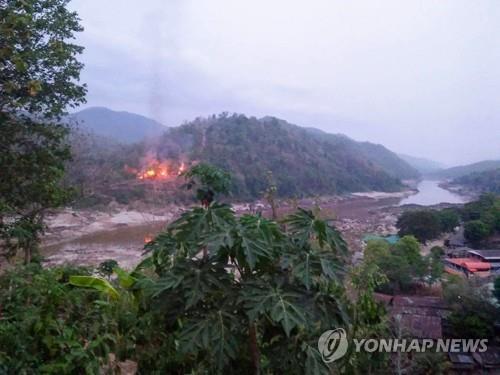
(489, 360)
(468, 262)
(467, 267)
(490, 256)
(457, 252)
(462, 363)
(417, 316)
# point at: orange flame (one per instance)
(158, 170)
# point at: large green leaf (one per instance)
(281, 306)
(266, 229)
(125, 279)
(304, 227)
(310, 266)
(314, 362)
(253, 249)
(193, 225)
(96, 283)
(214, 334)
(258, 240)
(195, 281)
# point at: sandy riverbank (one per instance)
(90, 236)
(69, 224)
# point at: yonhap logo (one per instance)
(333, 344)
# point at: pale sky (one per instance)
(420, 77)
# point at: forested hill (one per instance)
(378, 154)
(121, 126)
(303, 162)
(483, 182)
(464, 170)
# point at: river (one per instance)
(430, 193)
(124, 244)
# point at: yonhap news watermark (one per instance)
(334, 344)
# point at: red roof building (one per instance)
(467, 267)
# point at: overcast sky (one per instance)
(420, 77)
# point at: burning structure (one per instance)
(155, 181)
(156, 170)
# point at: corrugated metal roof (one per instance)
(487, 254)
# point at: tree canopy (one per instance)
(38, 61)
(39, 80)
(402, 264)
(423, 224)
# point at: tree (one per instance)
(369, 319)
(401, 263)
(398, 273)
(393, 266)
(208, 180)
(476, 231)
(39, 65)
(39, 80)
(270, 194)
(449, 220)
(424, 224)
(375, 249)
(32, 156)
(283, 289)
(473, 315)
(434, 265)
(474, 210)
(437, 251)
(408, 248)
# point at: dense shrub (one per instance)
(423, 224)
(49, 326)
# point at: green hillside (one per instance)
(485, 182)
(302, 162)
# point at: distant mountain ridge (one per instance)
(121, 126)
(463, 170)
(423, 165)
(303, 161)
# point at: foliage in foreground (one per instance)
(282, 292)
(39, 81)
(49, 326)
(218, 293)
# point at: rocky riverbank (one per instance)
(89, 236)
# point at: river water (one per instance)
(430, 193)
(125, 245)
